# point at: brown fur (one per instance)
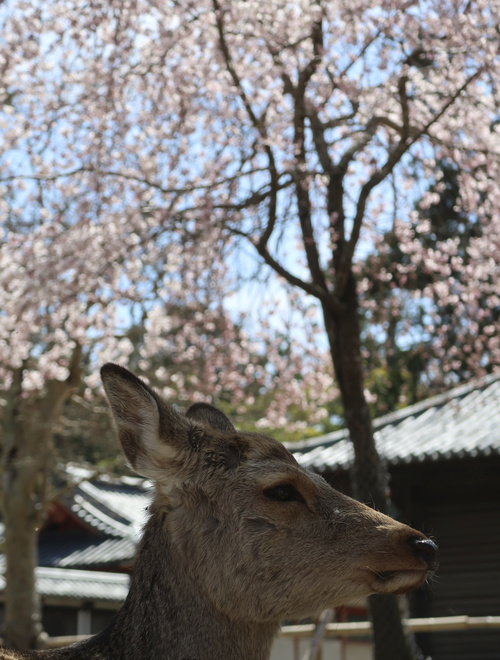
(239, 538)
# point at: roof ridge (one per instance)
(436, 400)
(329, 439)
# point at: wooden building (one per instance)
(86, 551)
(443, 459)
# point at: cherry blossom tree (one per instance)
(153, 149)
(72, 294)
(48, 308)
(78, 271)
(420, 335)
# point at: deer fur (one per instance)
(239, 538)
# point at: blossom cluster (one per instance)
(148, 145)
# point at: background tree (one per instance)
(27, 429)
(187, 136)
(408, 322)
(46, 316)
(56, 327)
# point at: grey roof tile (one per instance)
(113, 507)
(115, 510)
(110, 551)
(74, 584)
(462, 422)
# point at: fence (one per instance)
(350, 641)
(352, 629)
(363, 628)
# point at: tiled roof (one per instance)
(114, 511)
(77, 550)
(462, 422)
(110, 551)
(114, 507)
(73, 584)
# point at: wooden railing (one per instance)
(352, 629)
(363, 628)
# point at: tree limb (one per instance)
(404, 144)
(256, 121)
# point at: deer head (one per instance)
(259, 537)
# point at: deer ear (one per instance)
(210, 416)
(150, 431)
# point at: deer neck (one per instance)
(166, 617)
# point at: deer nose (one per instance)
(427, 550)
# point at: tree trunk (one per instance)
(390, 639)
(22, 626)
(369, 480)
(20, 467)
(28, 423)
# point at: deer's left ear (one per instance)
(153, 434)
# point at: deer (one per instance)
(239, 538)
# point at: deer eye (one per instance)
(284, 493)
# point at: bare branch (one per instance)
(133, 177)
(404, 144)
(301, 183)
(318, 134)
(256, 121)
(308, 287)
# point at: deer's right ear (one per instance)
(150, 431)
